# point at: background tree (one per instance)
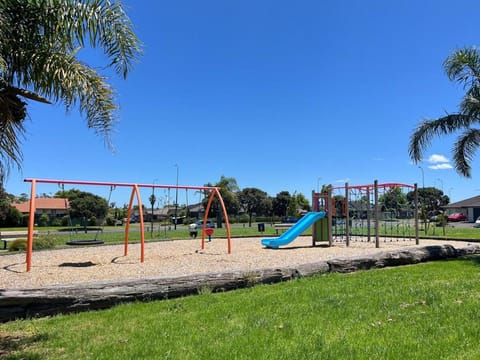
(431, 198)
(292, 208)
(85, 205)
(14, 217)
(39, 45)
(303, 202)
(280, 203)
(253, 200)
(5, 205)
(463, 66)
(393, 200)
(228, 189)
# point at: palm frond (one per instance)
(464, 151)
(470, 104)
(463, 66)
(12, 114)
(72, 82)
(105, 24)
(428, 129)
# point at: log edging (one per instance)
(51, 300)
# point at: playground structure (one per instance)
(214, 191)
(360, 212)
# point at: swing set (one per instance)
(73, 229)
(213, 191)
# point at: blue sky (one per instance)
(279, 95)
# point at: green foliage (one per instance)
(65, 221)
(430, 198)
(40, 243)
(292, 207)
(393, 200)
(92, 221)
(228, 188)
(4, 204)
(43, 220)
(56, 222)
(14, 217)
(280, 203)
(303, 202)
(463, 67)
(45, 242)
(85, 205)
(39, 43)
(17, 245)
(253, 200)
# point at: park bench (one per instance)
(282, 227)
(8, 236)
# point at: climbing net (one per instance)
(367, 213)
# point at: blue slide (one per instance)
(300, 226)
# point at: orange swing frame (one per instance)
(135, 192)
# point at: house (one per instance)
(168, 212)
(195, 210)
(53, 207)
(470, 207)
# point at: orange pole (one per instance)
(135, 191)
(205, 217)
(142, 225)
(227, 224)
(127, 225)
(31, 224)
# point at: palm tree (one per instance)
(463, 66)
(39, 44)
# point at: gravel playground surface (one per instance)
(174, 258)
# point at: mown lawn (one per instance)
(425, 311)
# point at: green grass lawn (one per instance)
(425, 311)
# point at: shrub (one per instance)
(65, 220)
(18, 245)
(40, 243)
(242, 219)
(56, 222)
(43, 220)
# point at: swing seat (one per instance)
(85, 242)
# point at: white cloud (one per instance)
(436, 158)
(443, 166)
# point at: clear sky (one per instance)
(279, 95)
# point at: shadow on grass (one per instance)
(11, 343)
(473, 259)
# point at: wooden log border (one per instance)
(51, 300)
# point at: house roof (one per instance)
(467, 203)
(44, 203)
(196, 207)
